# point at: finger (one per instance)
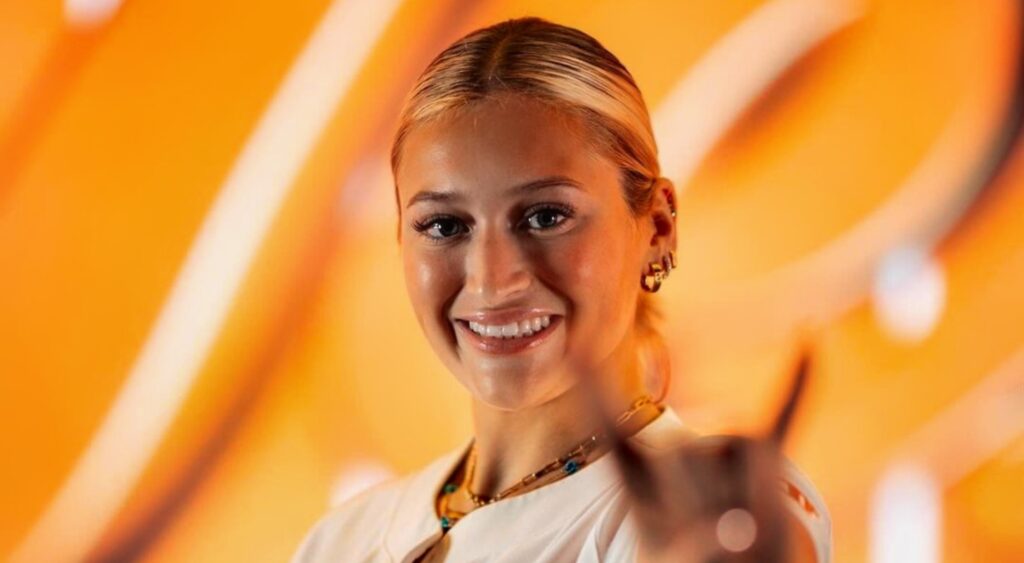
(783, 421)
(715, 471)
(635, 469)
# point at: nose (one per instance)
(496, 267)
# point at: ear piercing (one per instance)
(669, 262)
(656, 273)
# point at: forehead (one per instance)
(497, 143)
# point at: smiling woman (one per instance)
(567, 248)
(534, 228)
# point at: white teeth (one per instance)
(526, 328)
(511, 330)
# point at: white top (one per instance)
(583, 517)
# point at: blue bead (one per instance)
(445, 523)
(450, 488)
(571, 466)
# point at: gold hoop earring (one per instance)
(651, 281)
(657, 272)
(669, 262)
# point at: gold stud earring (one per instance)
(671, 202)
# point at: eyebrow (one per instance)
(531, 186)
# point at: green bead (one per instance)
(450, 488)
(445, 523)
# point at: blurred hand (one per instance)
(714, 499)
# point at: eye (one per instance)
(547, 217)
(440, 227)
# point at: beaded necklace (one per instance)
(569, 463)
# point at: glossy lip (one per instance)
(493, 345)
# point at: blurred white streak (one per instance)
(203, 293)
(366, 201)
(982, 422)
(358, 477)
(920, 211)
(906, 517)
(86, 14)
(840, 272)
(738, 69)
(909, 293)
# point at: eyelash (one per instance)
(565, 211)
(425, 225)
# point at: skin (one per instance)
(680, 494)
(584, 265)
(576, 250)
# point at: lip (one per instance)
(503, 346)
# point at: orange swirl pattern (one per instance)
(205, 335)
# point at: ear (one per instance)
(662, 217)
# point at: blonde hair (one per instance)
(571, 71)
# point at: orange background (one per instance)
(891, 125)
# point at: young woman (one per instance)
(534, 228)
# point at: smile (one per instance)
(508, 338)
(511, 330)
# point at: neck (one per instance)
(511, 444)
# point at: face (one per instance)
(514, 227)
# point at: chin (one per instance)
(510, 381)
(512, 389)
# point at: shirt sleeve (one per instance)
(801, 499)
(307, 550)
(804, 502)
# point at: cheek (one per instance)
(596, 274)
(431, 280)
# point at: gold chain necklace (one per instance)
(569, 463)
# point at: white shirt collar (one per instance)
(414, 524)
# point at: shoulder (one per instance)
(665, 432)
(801, 499)
(354, 526)
(616, 537)
(358, 527)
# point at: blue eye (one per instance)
(547, 217)
(439, 227)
